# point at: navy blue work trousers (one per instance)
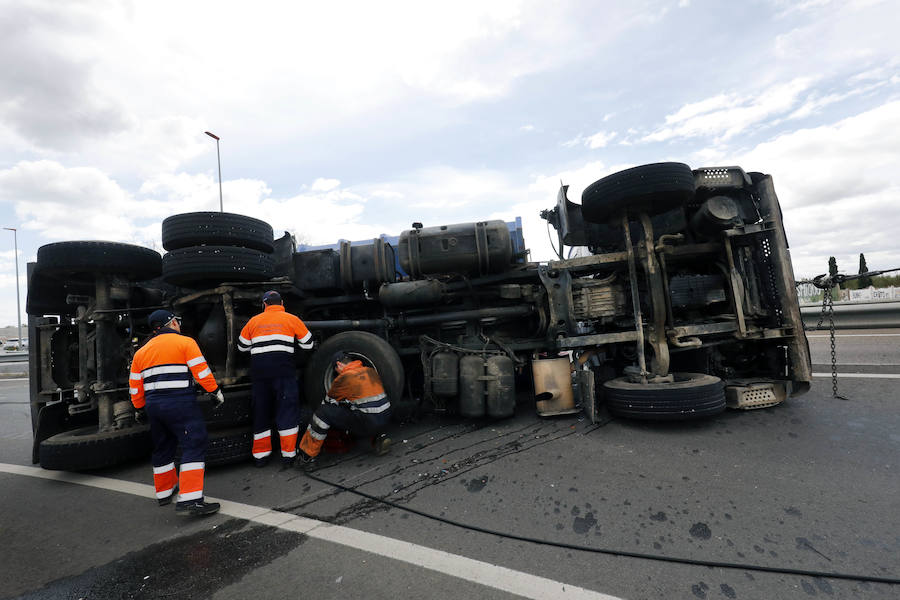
(358, 424)
(278, 395)
(172, 422)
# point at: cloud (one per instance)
(324, 185)
(48, 94)
(726, 115)
(838, 187)
(598, 140)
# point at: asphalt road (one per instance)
(811, 485)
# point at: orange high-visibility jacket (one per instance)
(269, 337)
(362, 387)
(164, 367)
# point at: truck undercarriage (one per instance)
(680, 300)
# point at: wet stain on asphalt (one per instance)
(728, 591)
(700, 531)
(192, 566)
(700, 589)
(660, 517)
(585, 523)
(477, 484)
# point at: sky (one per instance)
(346, 120)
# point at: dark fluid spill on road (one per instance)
(477, 484)
(192, 566)
(584, 524)
(701, 531)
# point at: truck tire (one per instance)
(84, 259)
(377, 352)
(690, 396)
(86, 448)
(216, 228)
(227, 446)
(199, 266)
(47, 295)
(652, 188)
(235, 412)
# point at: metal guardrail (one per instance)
(855, 315)
(13, 357)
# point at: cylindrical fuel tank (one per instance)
(470, 248)
(445, 375)
(411, 293)
(471, 386)
(372, 263)
(501, 387)
(347, 268)
(553, 386)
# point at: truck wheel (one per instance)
(86, 448)
(217, 228)
(690, 396)
(47, 295)
(235, 412)
(199, 266)
(227, 446)
(652, 188)
(87, 258)
(320, 370)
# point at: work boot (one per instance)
(196, 508)
(259, 463)
(287, 462)
(305, 461)
(381, 444)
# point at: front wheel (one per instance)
(369, 348)
(87, 448)
(690, 396)
(654, 189)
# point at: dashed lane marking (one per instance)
(483, 573)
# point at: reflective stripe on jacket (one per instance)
(164, 367)
(361, 387)
(270, 337)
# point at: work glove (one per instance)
(140, 416)
(220, 398)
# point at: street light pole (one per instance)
(18, 302)
(219, 160)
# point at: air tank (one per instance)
(411, 293)
(445, 375)
(469, 248)
(471, 386)
(501, 387)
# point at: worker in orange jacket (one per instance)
(270, 338)
(356, 402)
(161, 383)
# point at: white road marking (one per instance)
(483, 573)
(861, 375)
(857, 335)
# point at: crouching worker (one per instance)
(161, 382)
(356, 403)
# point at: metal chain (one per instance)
(828, 309)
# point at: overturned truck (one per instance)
(680, 300)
